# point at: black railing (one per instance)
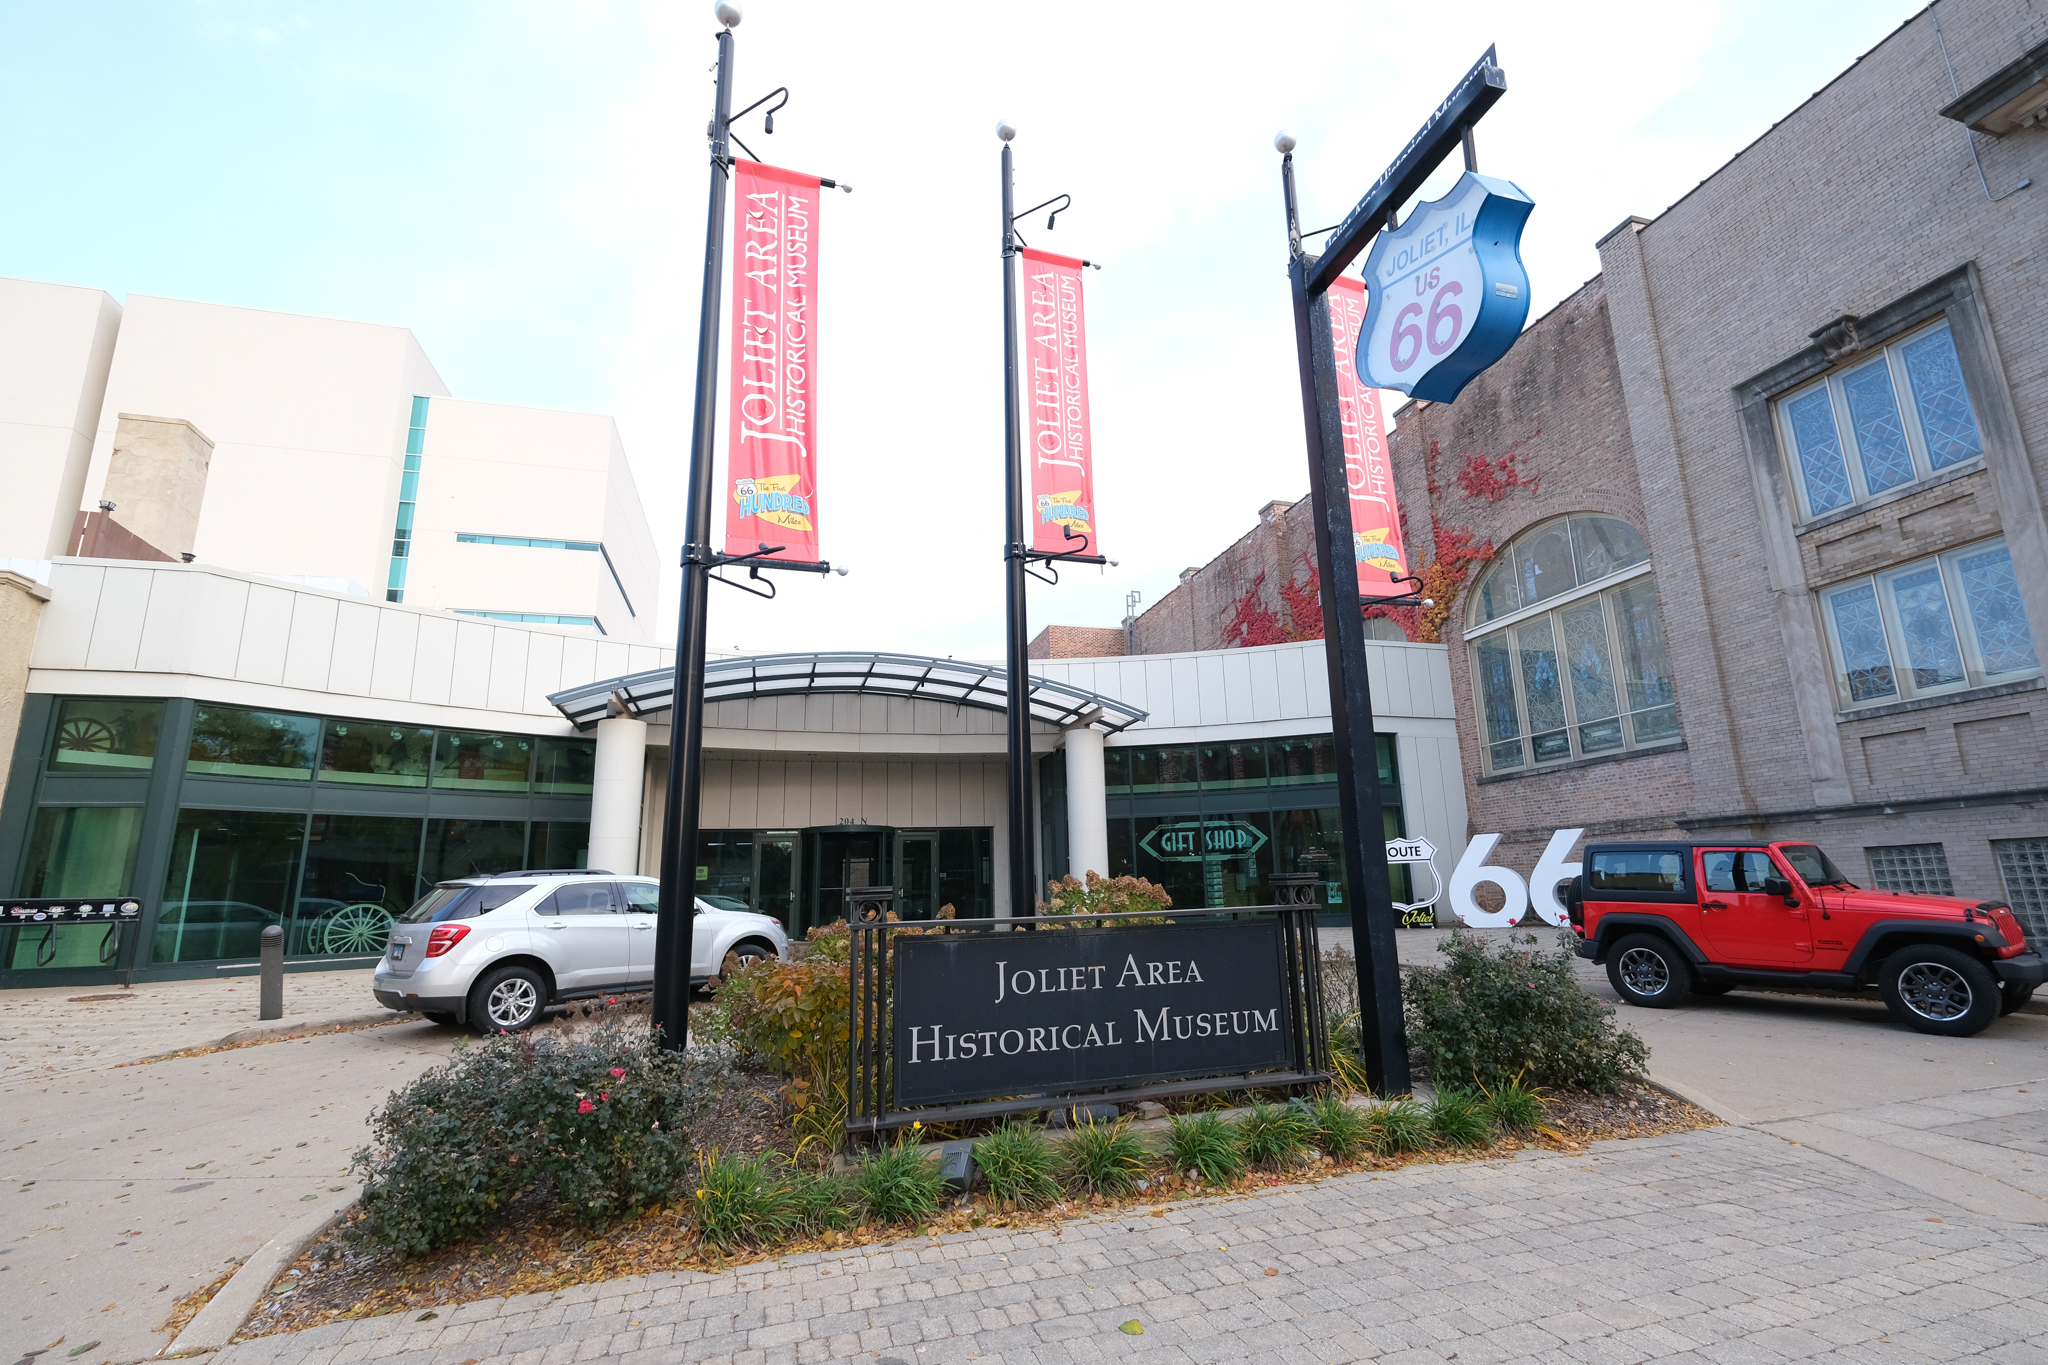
(871, 1040)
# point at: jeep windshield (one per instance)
(1814, 866)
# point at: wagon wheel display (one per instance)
(356, 929)
(85, 735)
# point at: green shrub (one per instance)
(1273, 1135)
(791, 1018)
(598, 1116)
(1402, 1126)
(1207, 1146)
(1341, 1130)
(1100, 895)
(1018, 1163)
(1103, 1158)
(1460, 1117)
(899, 1184)
(1492, 1016)
(756, 1200)
(1514, 1107)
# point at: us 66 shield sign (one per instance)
(1195, 841)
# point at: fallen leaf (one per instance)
(1157, 1213)
(1271, 1271)
(1133, 1328)
(80, 1350)
(426, 1317)
(1934, 1220)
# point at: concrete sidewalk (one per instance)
(1723, 1245)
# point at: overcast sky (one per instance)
(523, 185)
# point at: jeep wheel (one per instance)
(508, 1000)
(2015, 995)
(1940, 990)
(1646, 970)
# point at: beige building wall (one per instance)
(21, 609)
(56, 346)
(156, 479)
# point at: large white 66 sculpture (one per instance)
(1552, 869)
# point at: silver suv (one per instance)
(495, 952)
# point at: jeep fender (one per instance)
(1886, 936)
(1613, 926)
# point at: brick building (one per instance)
(1764, 499)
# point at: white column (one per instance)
(615, 795)
(1087, 803)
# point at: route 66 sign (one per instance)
(1446, 291)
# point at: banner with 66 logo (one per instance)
(1446, 291)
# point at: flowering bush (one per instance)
(791, 1018)
(1104, 895)
(597, 1117)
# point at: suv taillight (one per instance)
(444, 937)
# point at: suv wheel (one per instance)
(2016, 995)
(1940, 990)
(749, 953)
(1646, 970)
(508, 1000)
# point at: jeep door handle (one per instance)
(1713, 905)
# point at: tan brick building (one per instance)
(1765, 497)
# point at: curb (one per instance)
(216, 1324)
(285, 1027)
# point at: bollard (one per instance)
(272, 972)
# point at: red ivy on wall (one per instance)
(1304, 599)
(1251, 621)
(1491, 479)
(1458, 551)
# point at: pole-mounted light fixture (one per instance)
(728, 13)
(1283, 142)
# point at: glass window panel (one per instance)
(1313, 841)
(376, 753)
(1542, 690)
(238, 743)
(725, 864)
(1122, 848)
(565, 766)
(1605, 545)
(105, 734)
(1543, 559)
(232, 874)
(1645, 666)
(1116, 769)
(1592, 672)
(1144, 770)
(361, 872)
(2023, 866)
(82, 851)
(1992, 591)
(1874, 418)
(1918, 868)
(1494, 663)
(1182, 880)
(1930, 636)
(964, 871)
(1500, 590)
(472, 848)
(1177, 769)
(1390, 771)
(1225, 864)
(1233, 765)
(1859, 632)
(1946, 419)
(1819, 447)
(482, 762)
(1293, 762)
(556, 844)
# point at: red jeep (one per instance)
(1672, 919)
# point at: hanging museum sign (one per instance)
(1056, 384)
(772, 471)
(985, 1015)
(1448, 294)
(1375, 515)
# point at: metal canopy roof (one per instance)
(871, 675)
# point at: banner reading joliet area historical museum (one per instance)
(772, 493)
(1375, 516)
(1056, 398)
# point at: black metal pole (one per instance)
(671, 1008)
(1023, 858)
(1382, 1033)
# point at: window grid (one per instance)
(1936, 625)
(535, 618)
(408, 501)
(2023, 864)
(1919, 868)
(1880, 424)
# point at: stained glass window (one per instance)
(1820, 451)
(1859, 633)
(1880, 435)
(1993, 592)
(1946, 418)
(1926, 629)
(1935, 625)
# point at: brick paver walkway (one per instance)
(1724, 1245)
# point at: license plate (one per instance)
(397, 951)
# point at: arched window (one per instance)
(1568, 657)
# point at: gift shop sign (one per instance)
(984, 1016)
(1198, 841)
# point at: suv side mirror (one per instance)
(1778, 886)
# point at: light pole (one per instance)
(1016, 623)
(680, 813)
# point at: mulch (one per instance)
(537, 1249)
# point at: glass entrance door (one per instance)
(917, 880)
(775, 877)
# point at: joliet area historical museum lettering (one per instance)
(984, 1015)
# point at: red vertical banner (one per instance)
(1057, 444)
(772, 470)
(1375, 515)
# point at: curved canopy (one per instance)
(874, 675)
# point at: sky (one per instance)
(523, 185)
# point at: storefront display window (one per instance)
(105, 734)
(1312, 758)
(565, 766)
(361, 872)
(75, 851)
(554, 844)
(375, 753)
(472, 848)
(232, 742)
(1232, 765)
(232, 874)
(483, 762)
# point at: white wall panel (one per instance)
(506, 688)
(579, 661)
(469, 674)
(433, 663)
(176, 603)
(214, 640)
(398, 637)
(1214, 704)
(309, 648)
(355, 649)
(266, 632)
(543, 671)
(117, 626)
